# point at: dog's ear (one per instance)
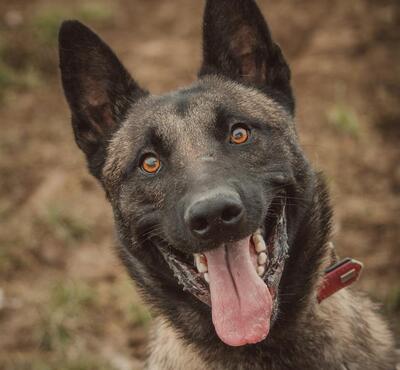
(98, 89)
(238, 44)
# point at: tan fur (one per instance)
(169, 352)
(357, 335)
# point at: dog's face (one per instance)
(203, 181)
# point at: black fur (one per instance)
(98, 89)
(238, 44)
(244, 78)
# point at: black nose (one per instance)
(214, 214)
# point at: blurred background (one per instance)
(65, 301)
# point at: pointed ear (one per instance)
(98, 89)
(237, 44)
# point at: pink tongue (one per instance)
(241, 302)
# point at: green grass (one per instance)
(28, 54)
(85, 361)
(47, 22)
(6, 76)
(344, 119)
(67, 313)
(68, 305)
(392, 308)
(392, 301)
(64, 226)
(98, 13)
(126, 300)
(58, 224)
(10, 260)
(138, 315)
(11, 79)
(71, 296)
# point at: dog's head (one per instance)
(205, 181)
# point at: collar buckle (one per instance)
(338, 276)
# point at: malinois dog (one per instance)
(221, 221)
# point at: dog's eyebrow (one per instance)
(152, 141)
(222, 118)
(225, 117)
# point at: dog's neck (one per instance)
(309, 256)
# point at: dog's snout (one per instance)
(212, 215)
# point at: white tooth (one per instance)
(207, 278)
(257, 232)
(260, 270)
(262, 258)
(259, 243)
(256, 237)
(201, 262)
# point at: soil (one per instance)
(64, 297)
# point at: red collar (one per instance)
(338, 276)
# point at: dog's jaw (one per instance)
(267, 251)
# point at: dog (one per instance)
(221, 221)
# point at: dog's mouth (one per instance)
(239, 280)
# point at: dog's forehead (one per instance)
(195, 108)
(183, 119)
(180, 120)
(191, 109)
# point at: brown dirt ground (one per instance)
(65, 301)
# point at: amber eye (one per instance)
(150, 163)
(239, 135)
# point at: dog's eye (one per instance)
(150, 163)
(239, 134)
